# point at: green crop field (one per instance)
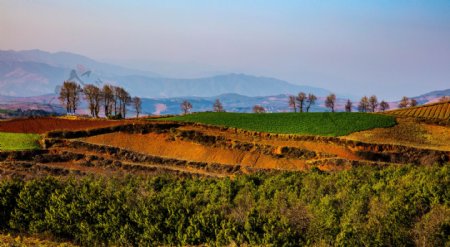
(316, 123)
(18, 141)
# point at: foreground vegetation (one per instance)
(366, 206)
(317, 123)
(18, 141)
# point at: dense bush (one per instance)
(366, 206)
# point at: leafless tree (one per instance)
(444, 99)
(330, 101)
(69, 96)
(363, 104)
(373, 103)
(124, 100)
(413, 102)
(64, 96)
(93, 96)
(301, 97)
(384, 106)
(404, 102)
(259, 109)
(186, 106)
(292, 103)
(108, 99)
(348, 106)
(116, 99)
(137, 104)
(218, 107)
(311, 100)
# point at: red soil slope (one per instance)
(42, 125)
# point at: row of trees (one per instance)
(114, 100)
(371, 104)
(301, 101)
(366, 104)
(406, 102)
(186, 106)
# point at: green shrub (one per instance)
(365, 206)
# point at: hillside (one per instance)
(242, 84)
(436, 111)
(35, 72)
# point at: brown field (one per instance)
(337, 150)
(43, 125)
(148, 147)
(160, 145)
(408, 132)
(436, 111)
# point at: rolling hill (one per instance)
(35, 72)
(435, 111)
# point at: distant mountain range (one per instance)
(35, 72)
(231, 103)
(30, 80)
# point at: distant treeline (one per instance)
(365, 206)
(26, 113)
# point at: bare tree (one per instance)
(293, 103)
(373, 103)
(124, 101)
(301, 97)
(413, 102)
(311, 100)
(363, 104)
(384, 106)
(404, 102)
(137, 104)
(69, 96)
(330, 101)
(444, 99)
(348, 106)
(116, 99)
(93, 96)
(64, 96)
(108, 99)
(186, 106)
(259, 109)
(218, 107)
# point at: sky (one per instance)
(383, 47)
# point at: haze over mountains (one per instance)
(31, 80)
(35, 72)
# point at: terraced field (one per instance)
(149, 147)
(437, 111)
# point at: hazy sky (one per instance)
(385, 47)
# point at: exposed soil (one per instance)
(42, 125)
(321, 147)
(142, 148)
(408, 132)
(162, 145)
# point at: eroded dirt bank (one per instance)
(151, 147)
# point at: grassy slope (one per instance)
(320, 123)
(18, 141)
